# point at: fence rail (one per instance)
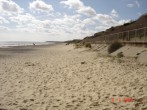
(130, 36)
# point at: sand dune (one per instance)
(60, 77)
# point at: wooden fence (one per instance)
(130, 36)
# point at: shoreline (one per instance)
(9, 44)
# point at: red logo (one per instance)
(122, 100)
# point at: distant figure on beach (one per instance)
(33, 43)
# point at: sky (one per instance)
(60, 20)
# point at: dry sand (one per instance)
(60, 77)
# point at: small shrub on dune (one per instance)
(114, 46)
(78, 45)
(83, 43)
(120, 54)
(88, 45)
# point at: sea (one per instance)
(23, 43)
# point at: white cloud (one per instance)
(104, 19)
(70, 26)
(22, 18)
(135, 3)
(80, 7)
(88, 21)
(66, 20)
(9, 7)
(74, 26)
(101, 28)
(139, 14)
(62, 26)
(87, 11)
(3, 28)
(28, 23)
(114, 13)
(130, 5)
(77, 4)
(3, 20)
(107, 20)
(40, 6)
(120, 22)
(79, 27)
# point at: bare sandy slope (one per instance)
(63, 78)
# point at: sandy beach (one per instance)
(59, 77)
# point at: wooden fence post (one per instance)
(144, 34)
(135, 34)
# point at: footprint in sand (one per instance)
(3, 109)
(29, 64)
(23, 109)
